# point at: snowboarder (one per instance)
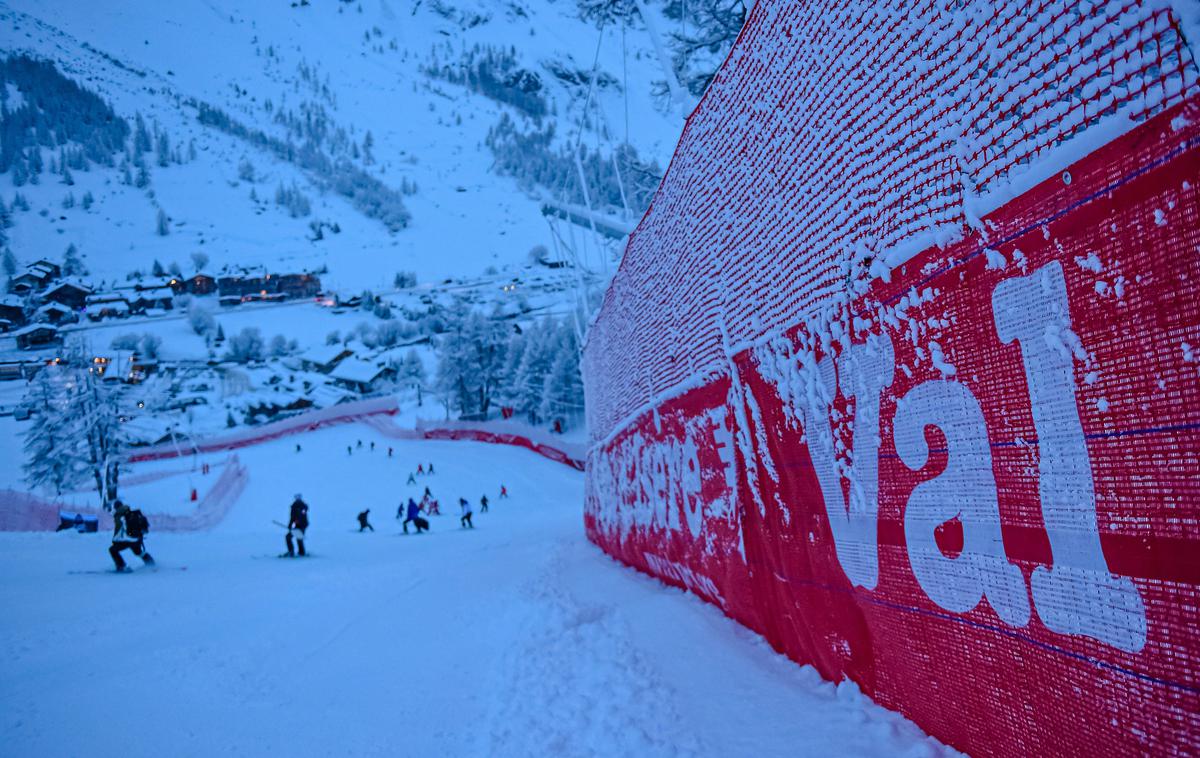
(362, 521)
(297, 525)
(466, 513)
(129, 531)
(503, 491)
(414, 515)
(483, 501)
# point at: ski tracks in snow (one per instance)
(577, 684)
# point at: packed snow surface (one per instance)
(516, 638)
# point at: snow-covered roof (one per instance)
(323, 354)
(12, 301)
(31, 329)
(71, 282)
(326, 395)
(147, 429)
(105, 297)
(54, 307)
(356, 370)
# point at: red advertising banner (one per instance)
(973, 485)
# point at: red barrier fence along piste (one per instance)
(902, 367)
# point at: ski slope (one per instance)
(517, 638)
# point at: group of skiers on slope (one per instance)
(298, 519)
(130, 525)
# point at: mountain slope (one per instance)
(352, 69)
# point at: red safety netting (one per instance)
(902, 368)
(838, 131)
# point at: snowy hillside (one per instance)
(388, 96)
(515, 638)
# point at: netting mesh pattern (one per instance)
(975, 490)
(840, 133)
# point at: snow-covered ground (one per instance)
(517, 638)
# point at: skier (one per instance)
(129, 531)
(372, 446)
(411, 479)
(483, 501)
(360, 444)
(297, 525)
(431, 468)
(362, 521)
(297, 447)
(420, 470)
(389, 452)
(414, 515)
(429, 504)
(349, 450)
(466, 513)
(503, 491)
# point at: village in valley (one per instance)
(175, 346)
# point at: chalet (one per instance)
(201, 284)
(107, 305)
(327, 396)
(12, 310)
(53, 269)
(56, 313)
(26, 282)
(297, 285)
(162, 298)
(244, 285)
(361, 376)
(12, 370)
(6, 326)
(324, 358)
(71, 293)
(36, 335)
(35, 277)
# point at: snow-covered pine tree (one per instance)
(8, 262)
(412, 372)
(141, 135)
(538, 359)
(163, 224)
(562, 394)
(51, 460)
(164, 149)
(72, 265)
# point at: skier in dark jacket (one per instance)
(483, 503)
(414, 515)
(129, 531)
(297, 525)
(363, 524)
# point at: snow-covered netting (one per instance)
(901, 368)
